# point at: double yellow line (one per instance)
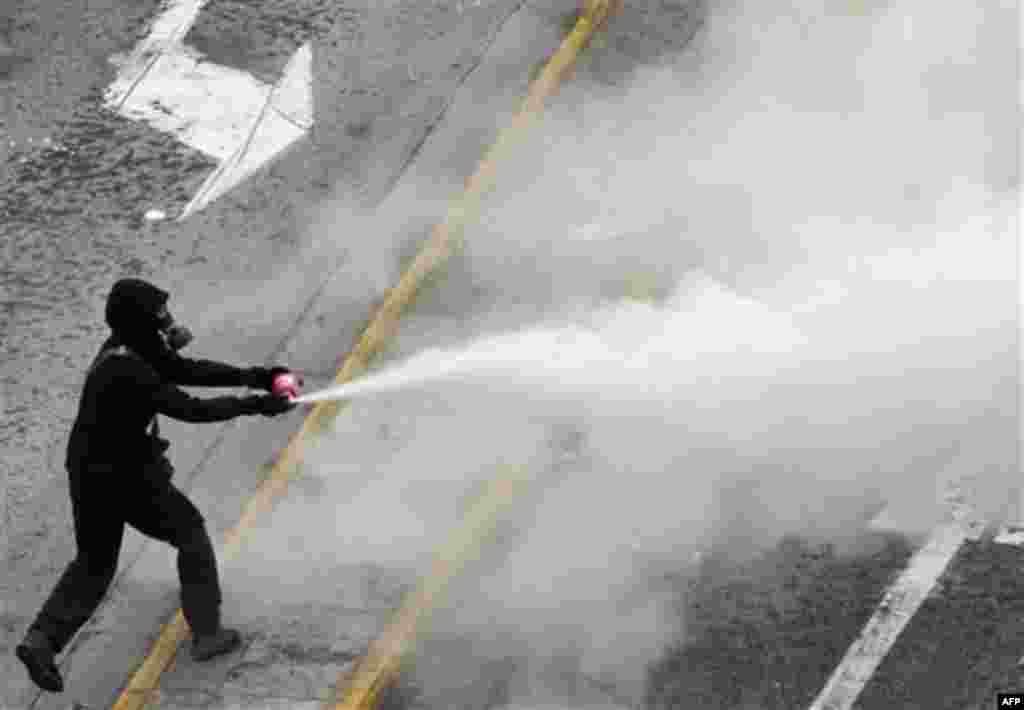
(378, 668)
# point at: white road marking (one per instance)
(1014, 534)
(285, 117)
(899, 604)
(226, 113)
(1010, 535)
(207, 106)
(897, 607)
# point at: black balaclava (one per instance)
(132, 313)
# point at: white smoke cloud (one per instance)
(824, 194)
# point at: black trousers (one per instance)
(103, 501)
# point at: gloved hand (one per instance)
(263, 377)
(269, 405)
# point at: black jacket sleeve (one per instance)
(178, 404)
(168, 399)
(205, 373)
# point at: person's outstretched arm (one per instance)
(191, 372)
(170, 400)
(178, 404)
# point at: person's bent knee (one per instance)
(94, 567)
(195, 537)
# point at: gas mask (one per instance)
(175, 335)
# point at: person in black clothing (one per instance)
(115, 445)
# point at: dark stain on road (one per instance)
(768, 633)
(260, 36)
(962, 646)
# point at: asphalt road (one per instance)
(76, 181)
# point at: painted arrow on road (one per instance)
(226, 113)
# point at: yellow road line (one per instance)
(376, 671)
(361, 689)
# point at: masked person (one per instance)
(115, 445)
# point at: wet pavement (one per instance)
(768, 633)
(962, 647)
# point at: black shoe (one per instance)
(223, 641)
(37, 655)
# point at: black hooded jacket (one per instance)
(135, 376)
